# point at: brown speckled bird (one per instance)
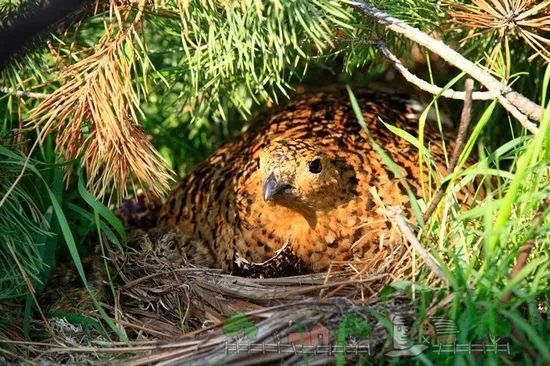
(302, 175)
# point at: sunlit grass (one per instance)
(477, 243)
(190, 77)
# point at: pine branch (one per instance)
(424, 85)
(97, 91)
(23, 93)
(519, 106)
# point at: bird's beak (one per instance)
(272, 187)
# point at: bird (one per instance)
(305, 177)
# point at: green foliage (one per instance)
(352, 326)
(485, 242)
(238, 325)
(205, 66)
(477, 248)
(201, 68)
(23, 229)
(34, 218)
(230, 57)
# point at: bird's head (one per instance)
(297, 173)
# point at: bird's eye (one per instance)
(315, 166)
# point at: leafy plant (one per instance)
(102, 96)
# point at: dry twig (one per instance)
(23, 93)
(424, 85)
(395, 214)
(519, 106)
(523, 255)
(31, 288)
(209, 345)
(526, 248)
(21, 174)
(465, 119)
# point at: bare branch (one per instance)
(424, 85)
(23, 93)
(465, 119)
(523, 255)
(395, 214)
(519, 106)
(20, 175)
(526, 248)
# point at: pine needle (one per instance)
(525, 19)
(94, 115)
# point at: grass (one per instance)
(476, 248)
(46, 220)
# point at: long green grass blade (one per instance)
(386, 158)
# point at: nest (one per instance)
(172, 311)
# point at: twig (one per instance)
(357, 275)
(440, 304)
(32, 291)
(524, 253)
(21, 174)
(424, 85)
(23, 272)
(395, 214)
(23, 93)
(526, 248)
(525, 343)
(519, 106)
(465, 119)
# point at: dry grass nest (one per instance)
(171, 311)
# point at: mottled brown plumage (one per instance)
(302, 174)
